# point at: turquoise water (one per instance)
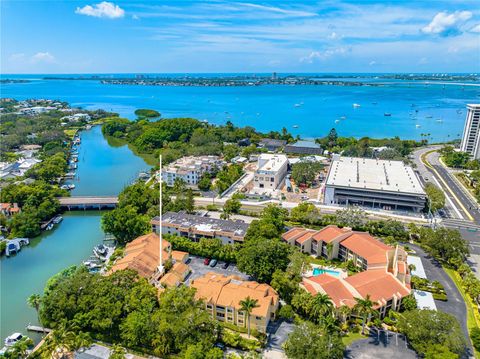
(102, 170)
(26, 273)
(318, 271)
(441, 109)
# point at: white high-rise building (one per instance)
(471, 132)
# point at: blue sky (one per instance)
(248, 36)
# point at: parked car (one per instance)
(213, 263)
(206, 261)
(220, 346)
(225, 265)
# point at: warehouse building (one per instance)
(389, 185)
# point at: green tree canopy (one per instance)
(427, 328)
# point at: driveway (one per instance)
(455, 304)
(382, 345)
(199, 269)
(278, 333)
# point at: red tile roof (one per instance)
(367, 247)
(329, 233)
(379, 284)
(308, 234)
(334, 287)
(292, 233)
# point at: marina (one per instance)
(105, 170)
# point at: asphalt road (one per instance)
(455, 304)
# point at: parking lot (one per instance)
(199, 269)
(381, 345)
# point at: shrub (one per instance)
(475, 336)
(286, 312)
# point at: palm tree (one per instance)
(82, 341)
(364, 308)
(343, 312)
(117, 352)
(34, 301)
(247, 305)
(60, 342)
(321, 307)
(20, 348)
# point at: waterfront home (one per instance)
(304, 148)
(9, 209)
(195, 227)
(223, 294)
(190, 169)
(143, 256)
(384, 289)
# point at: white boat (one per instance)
(337, 121)
(297, 105)
(57, 219)
(295, 126)
(343, 118)
(12, 339)
(49, 227)
(87, 127)
(418, 126)
(439, 120)
(355, 105)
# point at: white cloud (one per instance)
(423, 61)
(447, 24)
(103, 9)
(43, 57)
(324, 55)
(135, 17)
(475, 29)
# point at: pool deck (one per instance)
(341, 273)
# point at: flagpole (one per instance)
(160, 265)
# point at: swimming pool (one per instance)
(318, 271)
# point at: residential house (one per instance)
(9, 209)
(223, 294)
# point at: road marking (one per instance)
(449, 199)
(446, 185)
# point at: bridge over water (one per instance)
(88, 202)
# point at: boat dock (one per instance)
(38, 329)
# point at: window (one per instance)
(258, 318)
(272, 179)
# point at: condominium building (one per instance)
(270, 173)
(304, 148)
(223, 294)
(195, 227)
(389, 185)
(190, 169)
(382, 287)
(361, 248)
(471, 132)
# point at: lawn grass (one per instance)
(473, 319)
(352, 337)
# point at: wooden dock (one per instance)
(38, 329)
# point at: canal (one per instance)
(104, 168)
